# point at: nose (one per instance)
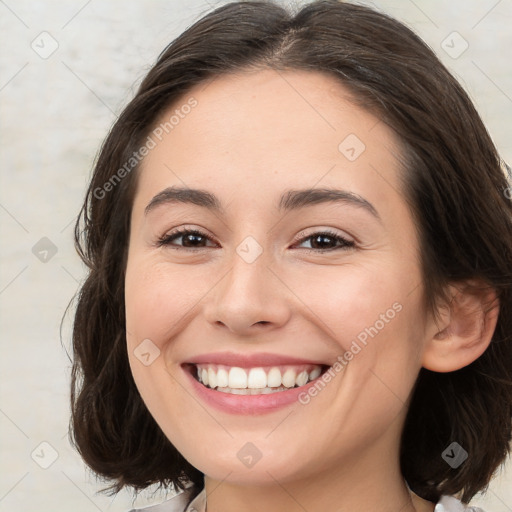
(249, 298)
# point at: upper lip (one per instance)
(249, 360)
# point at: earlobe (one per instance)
(465, 328)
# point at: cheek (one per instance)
(159, 298)
(154, 304)
(376, 319)
(389, 347)
(156, 301)
(352, 302)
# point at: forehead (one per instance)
(266, 128)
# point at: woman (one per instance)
(300, 251)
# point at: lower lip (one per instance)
(248, 404)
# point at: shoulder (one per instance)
(177, 503)
(452, 504)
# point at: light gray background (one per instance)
(54, 113)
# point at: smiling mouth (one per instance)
(259, 380)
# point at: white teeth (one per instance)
(314, 374)
(274, 378)
(238, 391)
(222, 378)
(237, 378)
(301, 379)
(212, 378)
(289, 378)
(264, 391)
(258, 380)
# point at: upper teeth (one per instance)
(221, 376)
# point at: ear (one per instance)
(465, 328)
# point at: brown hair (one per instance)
(452, 180)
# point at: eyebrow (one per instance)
(290, 200)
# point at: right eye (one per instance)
(191, 239)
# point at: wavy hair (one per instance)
(452, 178)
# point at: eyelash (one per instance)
(168, 238)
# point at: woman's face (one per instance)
(279, 284)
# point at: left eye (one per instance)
(195, 239)
(327, 238)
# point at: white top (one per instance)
(179, 504)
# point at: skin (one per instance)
(251, 137)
